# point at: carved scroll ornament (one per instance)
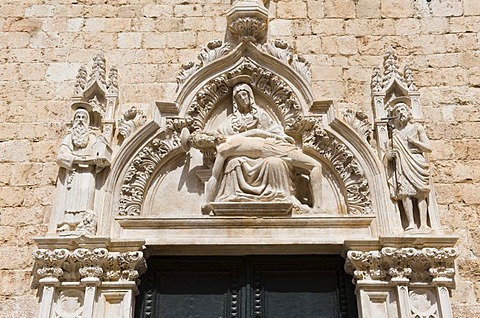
(144, 164)
(343, 161)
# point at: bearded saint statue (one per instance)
(81, 161)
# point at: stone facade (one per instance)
(43, 46)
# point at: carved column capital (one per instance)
(406, 264)
(88, 263)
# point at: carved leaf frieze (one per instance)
(144, 164)
(72, 265)
(356, 185)
(417, 265)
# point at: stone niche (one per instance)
(245, 161)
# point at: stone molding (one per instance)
(403, 264)
(73, 265)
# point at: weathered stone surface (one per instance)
(43, 43)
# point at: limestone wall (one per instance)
(43, 45)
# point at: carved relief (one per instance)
(423, 303)
(254, 160)
(266, 82)
(130, 121)
(138, 174)
(282, 51)
(409, 171)
(82, 156)
(69, 304)
(344, 162)
(358, 120)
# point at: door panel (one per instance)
(246, 287)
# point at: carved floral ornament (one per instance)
(315, 139)
(415, 265)
(67, 265)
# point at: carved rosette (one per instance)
(144, 164)
(100, 263)
(346, 166)
(262, 80)
(411, 264)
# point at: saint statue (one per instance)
(256, 159)
(82, 157)
(407, 165)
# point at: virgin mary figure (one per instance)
(256, 161)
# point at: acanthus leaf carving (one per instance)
(343, 161)
(248, 28)
(144, 164)
(100, 263)
(358, 120)
(413, 264)
(81, 81)
(214, 50)
(130, 121)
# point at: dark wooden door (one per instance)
(294, 286)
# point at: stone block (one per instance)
(327, 73)
(40, 11)
(368, 9)
(26, 174)
(329, 26)
(95, 25)
(14, 282)
(280, 28)
(309, 44)
(347, 45)
(447, 8)
(156, 10)
(14, 151)
(315, 9)
(396, 8)
(30, 25)
(61, 72)
(180, 40)
(188, 10)
(471, 7)
(129, 11)
(291, 9)
(129, 40)
(12, 197)
(340, 9)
